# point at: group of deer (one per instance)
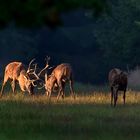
(17, 73)
(28, 78)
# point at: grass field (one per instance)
(88, 117)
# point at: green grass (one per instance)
(88, 117)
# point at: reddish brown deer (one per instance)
(59, 76)
(117, 81)
(16, 72)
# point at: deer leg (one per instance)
(71, 88)
(49, 93)
(31, 90)
(4, 82)
(124, 96)
(111, 95)
(13, 84)
(58, 94)
(63, 88)
(60, 89)
(2, 88)
(115, 98)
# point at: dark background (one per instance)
(92, 36)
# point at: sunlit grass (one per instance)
(132, 97)
(89, 116)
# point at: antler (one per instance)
(34, 72)
(46, 66)
(32, 81)
(29, 67)
(36, 76)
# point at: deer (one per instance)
(118, 82)
(17, 72)
(58, 78)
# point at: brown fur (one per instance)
(117, 81)
(16, 72)
(60, 75)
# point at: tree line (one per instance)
(112, 39)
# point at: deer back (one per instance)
(62, 71)
(13, 70)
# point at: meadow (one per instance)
(89, 116)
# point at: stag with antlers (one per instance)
(59, 76)
(16, 72)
